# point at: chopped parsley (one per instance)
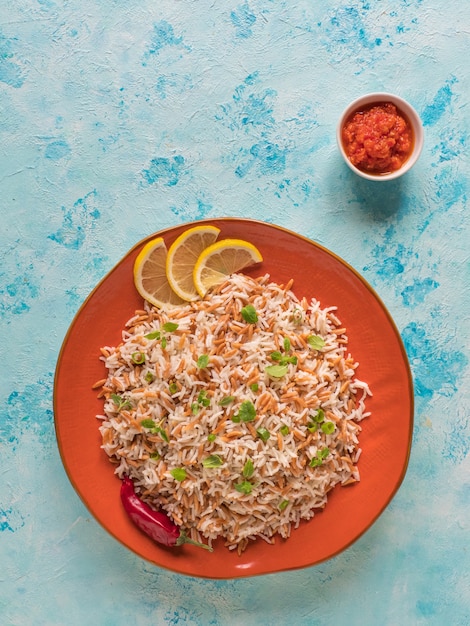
(212, 461)
(248, 469)
(247, 412)
(249, 314)
(276, 371)
(315, 342)
(121, 403)
(203, 361)
(263, 434)
(320, 456)
(244, 487)
(179, 473)
(226, 401)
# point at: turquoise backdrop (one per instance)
(120, 118)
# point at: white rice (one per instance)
(285, 487)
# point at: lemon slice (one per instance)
(150, 276)
(221, 259)
(182, 256)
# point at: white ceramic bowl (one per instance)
(403, 107)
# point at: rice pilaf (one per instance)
(199, 415)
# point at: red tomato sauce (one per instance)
(378, 139)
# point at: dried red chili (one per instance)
(153, 523)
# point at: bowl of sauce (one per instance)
(380, 136)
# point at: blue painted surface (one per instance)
(118, 119)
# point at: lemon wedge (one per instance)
(220, 260)
(150, 276)
(182, 256)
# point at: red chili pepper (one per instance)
(154, 523)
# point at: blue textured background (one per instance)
(120, 118)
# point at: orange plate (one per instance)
(373, 341)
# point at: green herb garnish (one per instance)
(162, 432)
(248, 469)
(203, 361)
(244, 487)
(179, 473)
(286, 344)
(173, 388)
(276, 371)
(317, 419)
(263, 434)
(149, 377)
(169, 327)
(211, 437)
(158, 430)
(247, 412)
(155, 429)
(284, 430)
(254, 387)
(283, 505)
(148, 423)
(227, 400)
(328, 428)
(249, 314)
(121, 403)
(201, 401)
(155, 456)
(138, 358)
(315, 462)
(320, 456)
(212, 461)
(283, 359)
(315, 342)
(288, 359)
(202, 398)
